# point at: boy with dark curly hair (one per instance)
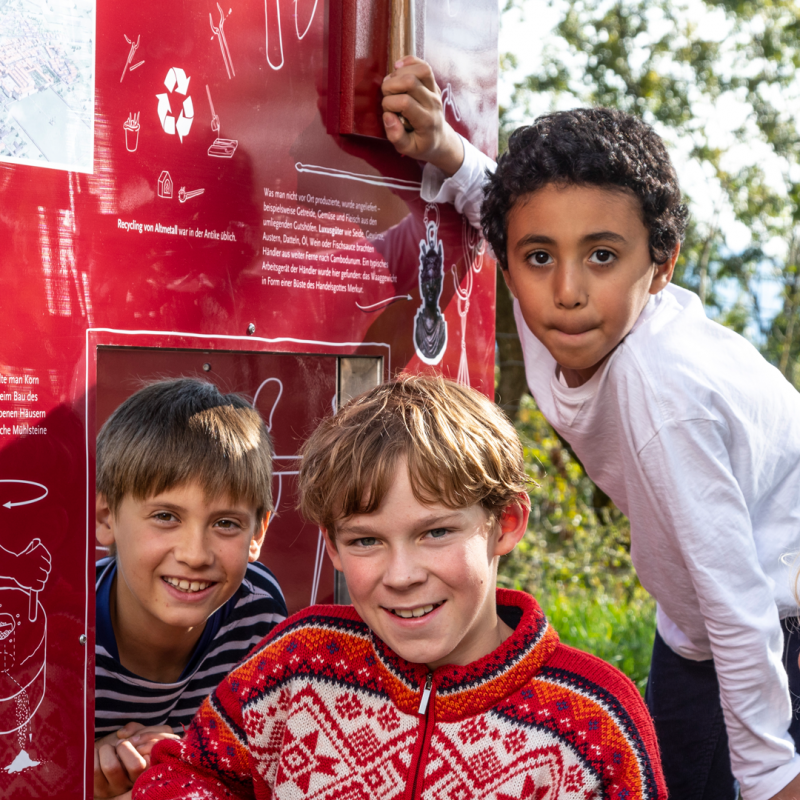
(679, 420)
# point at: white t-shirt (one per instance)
(696, 438)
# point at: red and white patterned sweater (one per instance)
(323, 709)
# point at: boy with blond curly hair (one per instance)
(434, 683)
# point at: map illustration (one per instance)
(47, 83)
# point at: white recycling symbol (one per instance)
(176, 81)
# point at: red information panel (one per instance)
(199, 188)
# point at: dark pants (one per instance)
(683, 698)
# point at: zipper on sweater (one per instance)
(426, 694)
(426, 711)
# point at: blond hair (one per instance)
(176, 431)
(459, 447)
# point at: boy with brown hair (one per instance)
(680, 421)
(433, 683)
(183, 499)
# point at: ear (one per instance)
(332, 550)
(512, 524)
(509, 280)
(104, 521)
(663, 274)
(257, 541)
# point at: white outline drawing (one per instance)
(131, 127)
(280, 474)
(373, 180)
(449, 100)
(31, 593)
(272, 411)
(165, 185)
(223, 42)
(383, 303)
(275, 16)
(180, 336)
(26, 698)
(177, 81)
(134, 48)
(183, 195)
(473, 247)
(9, 504)
(222, 148)
(430, 326)
(23, 671)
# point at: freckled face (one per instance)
(579, 263)
(423, 576)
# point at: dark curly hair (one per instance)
(588, 146)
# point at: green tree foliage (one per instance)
(693, 70)
(718, 80)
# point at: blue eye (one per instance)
(366, 541)
(438, 533)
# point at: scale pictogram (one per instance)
(177, 82)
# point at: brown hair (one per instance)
(175, 431)
(460, 450)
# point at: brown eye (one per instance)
(540, 258)
(602, 257)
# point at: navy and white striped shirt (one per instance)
(230, 633)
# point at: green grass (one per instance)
(618, 632)
(575, 557)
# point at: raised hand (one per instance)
(411, 91)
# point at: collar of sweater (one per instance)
(475, 688)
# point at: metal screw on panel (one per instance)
(206, 367)
(83, 638)
(251, 329)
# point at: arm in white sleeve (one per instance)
(696, 514)
(464, 189)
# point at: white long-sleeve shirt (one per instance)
(696, 438)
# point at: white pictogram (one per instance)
(274, 42)
(221, 148)
(219, 32)
(281, 473)
(165, 185)
(373, 180)
(131, 128)
(134, 47)
(472, 247)
(449, 100)
(381, 304)
(176, 81)
(183, 195)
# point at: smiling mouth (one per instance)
(419, 611)
(182, 585)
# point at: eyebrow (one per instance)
(217, 512)
(599, 236)
(366, 529)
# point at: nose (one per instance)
(192, 548)
(569, 291)
(403, 569)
